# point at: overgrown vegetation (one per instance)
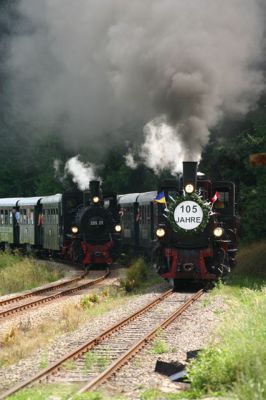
(20, 273)
(20, 341)
(139, 275)
(94, 360)
(160, 346)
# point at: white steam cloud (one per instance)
(130, 162)
(82, 173)
(177, 67)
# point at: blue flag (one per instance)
(160, 198)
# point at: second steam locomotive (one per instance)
(80, 226)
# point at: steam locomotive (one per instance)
(187, 227)
(80, 226)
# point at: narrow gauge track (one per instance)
(116, 345)
(38, 297)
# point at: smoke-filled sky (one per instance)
(175, 68)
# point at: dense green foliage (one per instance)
(227, 157)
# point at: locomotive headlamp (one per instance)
(218, 231)
(95, 199)
(74, 229)
(189, 188)
(160, 232)
(118, 228)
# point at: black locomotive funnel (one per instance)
(95, 188)
(190, 173)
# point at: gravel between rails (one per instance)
(68, 342)
(191, 331)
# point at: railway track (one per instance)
(98, 359)
(37, 297)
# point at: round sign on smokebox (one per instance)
(188, 215)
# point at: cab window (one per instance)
(223, 200)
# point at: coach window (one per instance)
(6, 217)
(10, 218)
(32, 217)
(28, 216)
(56, 216)
(24, 216)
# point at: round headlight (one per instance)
(218, 231)
(95, 199)
(189, 188)
(118, 228)
(160, 232)
(74, 229)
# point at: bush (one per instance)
(135, 275)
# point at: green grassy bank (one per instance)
(21, 273)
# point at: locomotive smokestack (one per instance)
(95, 188)
(95, 192)
(190, 176)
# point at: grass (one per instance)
(21, 341)
(19, 273)
(236, 362)
(94, 360)
(61, 392)
(44, 392)
(159, 346)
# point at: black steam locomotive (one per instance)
(188, 228)
(81, 226)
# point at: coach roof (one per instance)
(9, 202)
(55, 199)
(29, 201)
